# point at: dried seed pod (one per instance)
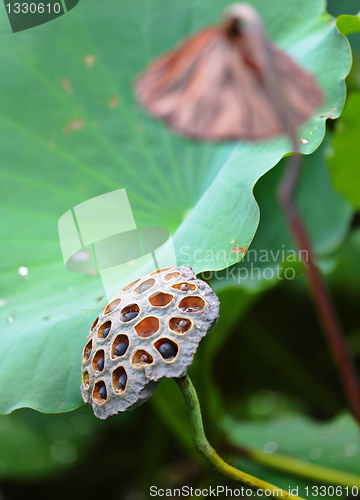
(150, 330)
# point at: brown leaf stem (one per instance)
(321, 296)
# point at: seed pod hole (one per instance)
(119, 346)
(161, 270)
(86, 379)
(171, 276)
(100, 392)
(110, 307)
(160, 299)
(119, 380)
(129, 312)
(167, 349)
(142, 358)
(130, 285)
(184, 287)
(145, 285)
(191, 304)
(147, 327)
(104, 330)
(87, 351)
(95, 323)
(97, 363)
(179, 325)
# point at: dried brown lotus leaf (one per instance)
(177, 315)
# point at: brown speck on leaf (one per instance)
(310, 133)
(89, 60)
(66, 85)
(114, 102)
(236, 249)
(243, 250)
(315, 128)
(99, 298)
(57, 402)
(73, 125)
(232, 241)
(328, 113)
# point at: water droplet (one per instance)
(352, 450)
(11, 319)
(315, 453)
(2, 302)
(270, 447)
(304, 140)
(23, 271)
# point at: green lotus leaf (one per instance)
(71, 130)
(343, 157)
(334, 445)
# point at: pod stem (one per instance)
(322, 299)
(207, 451)
(283, 463)
(299, 468)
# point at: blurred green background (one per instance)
(264, 373)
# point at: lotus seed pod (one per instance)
(150, 330)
